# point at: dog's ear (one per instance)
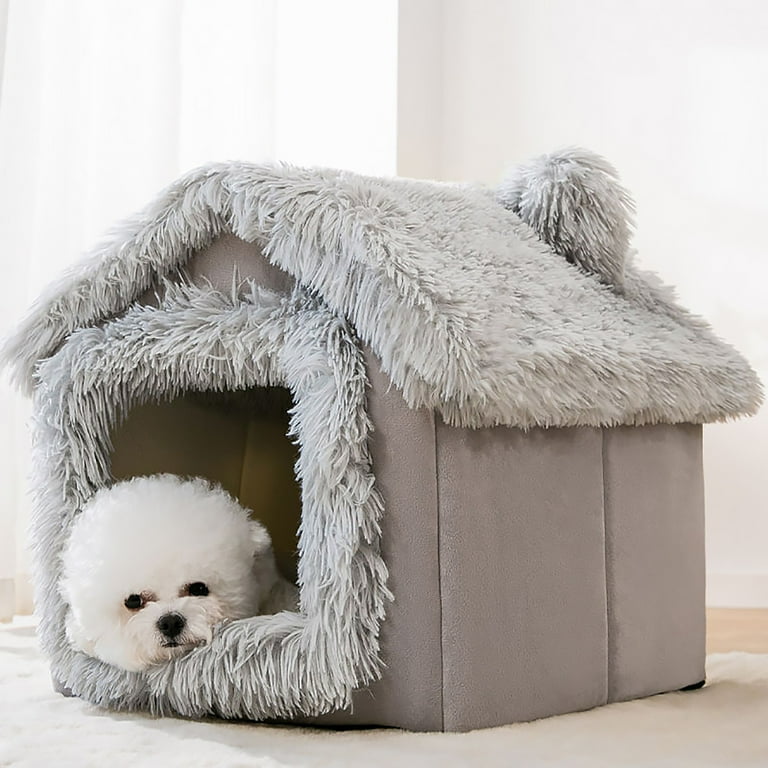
(264, 568)
(262, 543)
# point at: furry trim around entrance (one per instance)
(266, 666)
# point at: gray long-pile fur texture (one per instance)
(468, 310)
(268, 666)
(470, 314)
(574, 201)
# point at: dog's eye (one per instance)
(197, 589)
(134, 602)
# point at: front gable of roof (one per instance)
(468, 310)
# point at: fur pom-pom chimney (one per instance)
(574, 201)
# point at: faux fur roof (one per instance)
(469, 311)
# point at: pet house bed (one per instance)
(495, 421)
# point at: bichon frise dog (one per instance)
(154, 563)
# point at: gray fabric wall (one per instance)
(654, 519)
(565, 569)
(522, 569)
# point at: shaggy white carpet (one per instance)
(724, 724)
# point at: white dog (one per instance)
(154, 563)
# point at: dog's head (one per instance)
(154, 563)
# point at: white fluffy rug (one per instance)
(724, 724)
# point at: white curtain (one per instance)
(103, 102)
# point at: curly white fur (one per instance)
(153, 537)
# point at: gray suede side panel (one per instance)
(403, 452)
(654, 495)
(522, 573)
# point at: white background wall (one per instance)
(90, 131)
(675, 94)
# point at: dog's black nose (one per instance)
(171, 624)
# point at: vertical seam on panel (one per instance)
(439, 574)
(605, 569)
(702, 520)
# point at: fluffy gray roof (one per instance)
(470, 312)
